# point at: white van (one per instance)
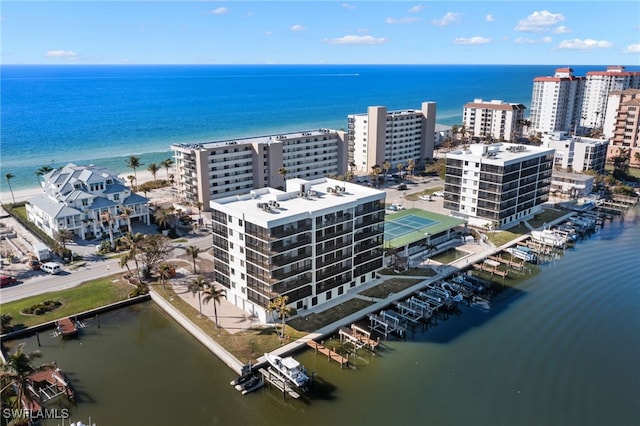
(51, 268)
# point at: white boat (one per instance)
(548, 237)
(291, 369)
(522, 252)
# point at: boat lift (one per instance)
(386, 323)
(358, 337)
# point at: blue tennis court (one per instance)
(406, 225)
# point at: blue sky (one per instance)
(327, 32)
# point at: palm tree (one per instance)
(162, 217)
(283, 172)
(197, 286)
(132, 243)
(153, 169)
(10, 176)
(62, 236)
(43, 171)
(193, 252)
(400, 168)
(134, 163)
(16, 370)
(126, 214)
(6, 323)
(106, 217)
(279, 305)
(411, 164)
(131, 179)
(165, 271)
(167, 165)
(124, 261)
(199, 205)
(375, 172)
(386, 166)
(216, 295)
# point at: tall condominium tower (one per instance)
(493, 119)
(394, 136)
(622, 123)
(556, 101)
(598, 85)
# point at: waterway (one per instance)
(559, 348)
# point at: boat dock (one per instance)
(386, 323)
(280, 382)
(511, 263)
(331, 354)
(67, 328)
(358, 337)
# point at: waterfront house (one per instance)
(90, 201)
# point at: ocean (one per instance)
(53, 115)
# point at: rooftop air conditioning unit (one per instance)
(329, 189)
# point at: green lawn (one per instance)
(89, 295)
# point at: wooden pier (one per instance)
(511, 263)
(491, 268)
(331, 354)
(67, 328)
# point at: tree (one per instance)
(283, 172)
(6, 323)
(167, 165)
(16, 371)
(386, 166)
(193, 252)
(411, 165)
(153, 169)
(279, 306)
(212, 293)
(400, 167)
(199, 205)
(162, 217)
(197, 286)
(152, 250)
(124, 261)
(62, 236)
(165, 272)
(43, 171)
(10, 176)
(375, 172)
(131, 179)
(126, 215)
(621, 163)
(132, 242)
(134, 162)
(107, 219)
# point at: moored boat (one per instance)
(290, 369)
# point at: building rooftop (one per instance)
(265, 139)
(499, 153)
(270, 207)
(408, 226)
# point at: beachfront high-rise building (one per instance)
(394, 136)
(90, 201)
(498, 183)
(556, 102)
(577, 153)
(494, 119)
(598, 85)
(622, 123)
(316, 241)
(211, 170)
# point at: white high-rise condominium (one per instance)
(493, 120)
(394, 136)
(556, 102)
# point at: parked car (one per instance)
(438, 194)
(6, 280)
(51, 268)
(402, 187)
(426, 197)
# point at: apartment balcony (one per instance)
(282, 274)
(326, 247)
(333, 270)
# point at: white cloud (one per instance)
(562, 30)
(472, 40)
(448, 18)
(65, 54)
(298, 27)
(539, 21)
(489, 18)
(356, 39)
(269, 33)
(632, 48)
(416, 9)
(522, 40)
(586, 44)
(407, 20)
(219, 11)
(348, 6)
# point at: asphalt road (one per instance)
(98, 267)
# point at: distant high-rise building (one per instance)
(556, 102)
(394, 136)
(622, 123)
(598, 85)
(577, 153)
(494, 119)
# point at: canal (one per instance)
(559, 348)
